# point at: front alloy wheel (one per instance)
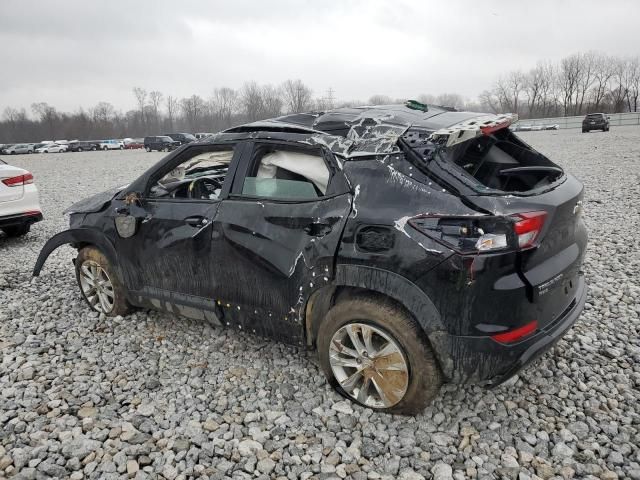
(369, 365)
(97, 287)
(99, 283)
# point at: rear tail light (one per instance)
(18, 181)
(477, 234)
(517, 334)
(528, 227)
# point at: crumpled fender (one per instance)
(76, 237)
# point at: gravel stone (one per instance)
(155, 395)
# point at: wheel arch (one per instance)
(355, 280)
(77, 238)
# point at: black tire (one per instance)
(79, 149)
(93, 149)
(105, 148)
(120, 304)
(29, 151)
(121, 147)
(148, 149)
(17, 230)
(584, 131)
(425, 377)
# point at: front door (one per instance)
(165, 236)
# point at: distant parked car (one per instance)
(4, 147)
(134, 143)
(19, 204)
(161, 143)
(19, 148)
(555, 126)
(83, 146)
(182, 137)
(52, 148)
(202, 135)
(595, 121)
(111, 145)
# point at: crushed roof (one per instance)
(358, 131)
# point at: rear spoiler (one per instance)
(470, 129)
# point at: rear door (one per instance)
(276, 237)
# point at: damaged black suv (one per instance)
(410, 245)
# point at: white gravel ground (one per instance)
(153, 395)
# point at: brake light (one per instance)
(482, 233)
(528, 227)
(516, 334)
(19, 180)
(466, 235)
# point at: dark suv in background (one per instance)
(84, 146)
(160, 143)
(595, 121)
(182, 137)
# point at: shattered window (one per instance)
(200, 177)
(287, 174)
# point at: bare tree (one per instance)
(618, 89)
(172, 109)
(380, 100)
(48, 116)
(450, 100)
(634, 84)
(252, 102)
(224, 103)
(192, 109)
(297, 96)
(155, 97)
(272, 101)
(141, 98)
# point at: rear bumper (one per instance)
(20, 219)
(482, 360)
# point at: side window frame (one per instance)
(337, 185)
(185, 154)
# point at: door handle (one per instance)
(197, 221)
(318, 229)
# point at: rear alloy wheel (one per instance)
(148, 149)
(17, 230)
(375, 354)
(79, 149)
(99, 284)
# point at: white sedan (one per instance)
(19, 203)
(52, 148)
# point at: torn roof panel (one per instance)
(360, 131)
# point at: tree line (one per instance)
(577, 84)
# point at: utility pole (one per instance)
(330, 98)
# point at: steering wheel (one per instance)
(203, 188)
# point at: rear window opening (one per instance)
(503, 162)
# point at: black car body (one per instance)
(161, 143)
(84, 146)
(445, 219)
(183, 138)
(595, 121)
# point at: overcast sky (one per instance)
(76, 53)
